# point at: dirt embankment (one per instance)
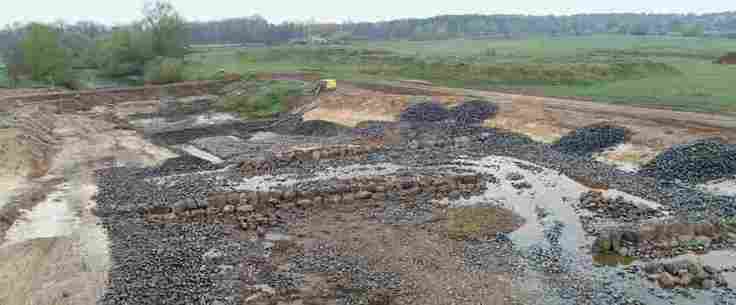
(69, 102)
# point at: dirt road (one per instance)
(656, 128)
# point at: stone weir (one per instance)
(264, 165)
(251, 209)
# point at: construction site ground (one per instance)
(55, 248)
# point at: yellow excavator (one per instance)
(325, 85)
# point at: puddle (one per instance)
(724, 187)
(7, 189)
(547, 202)
(190, 149)
(51, 218)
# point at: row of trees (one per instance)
(257, 29)
(48, 52)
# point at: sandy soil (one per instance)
(55, 250)
(656, 128)
(429, 263)
(10, 93)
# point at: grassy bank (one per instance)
(668, 72)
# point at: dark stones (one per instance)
(694, 162)
(473, 112)
(591, 139)
(425, 112)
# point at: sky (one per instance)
(123, 11)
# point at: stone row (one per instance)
(264, 165)
(659, 240)
(252, 209)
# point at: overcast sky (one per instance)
(122, 11)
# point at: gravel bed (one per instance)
(418, 213)
(167, 263)
(493, 256)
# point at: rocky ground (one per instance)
(433, 209)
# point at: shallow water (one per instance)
(551, 194)
(51, 218)
(725, 187)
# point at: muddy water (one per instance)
(547, 203)
(50, 218)
(7, 189)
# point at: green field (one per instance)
(3, 76)
(669, 72)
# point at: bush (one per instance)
(255, 100)
(164, 71)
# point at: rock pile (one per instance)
(685, 273)
(593, 138)
(319, 128)
(374, 129)
(658, 240)
(473, 112)
(698, 161)
(179, 165)
(266, 163)
(425, 112)
(252, 209)
(616, 208)
(624, 243)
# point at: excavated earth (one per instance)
(205, 208)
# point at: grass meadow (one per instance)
(665, 72)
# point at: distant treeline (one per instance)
(257, 29)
